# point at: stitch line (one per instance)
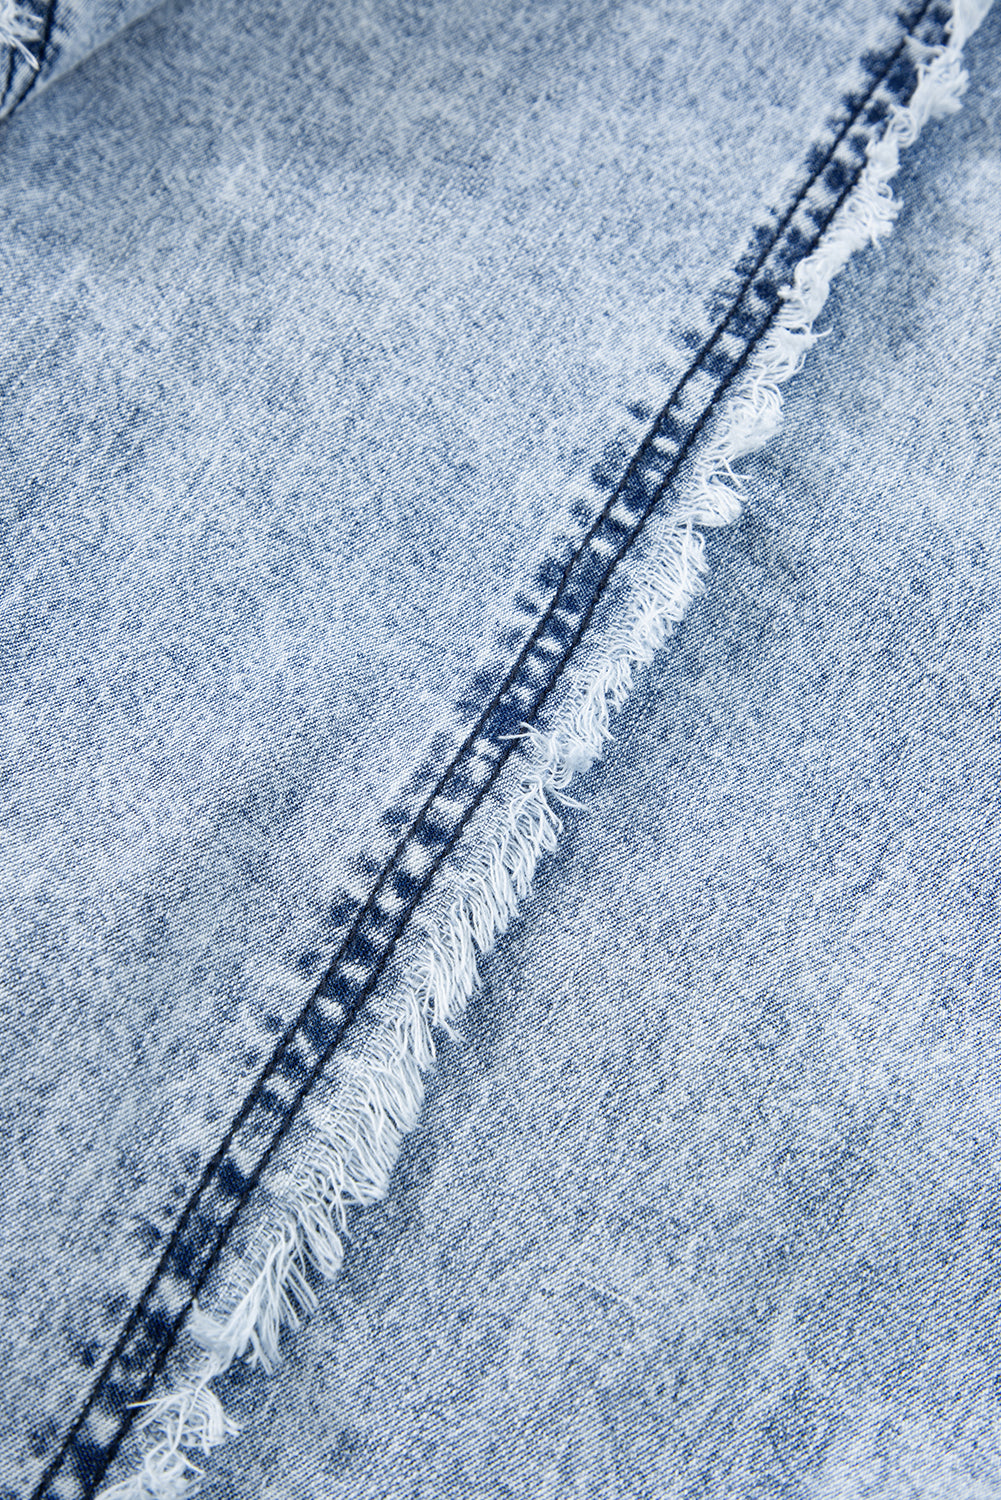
(354, 1006)
(635, 463)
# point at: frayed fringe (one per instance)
(348, 1165)
(191, 1417)
(18, 27)
(360, 1135)
(754, 415)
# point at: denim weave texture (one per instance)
(348, 353)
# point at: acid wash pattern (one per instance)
(312, 355)
(318, 323)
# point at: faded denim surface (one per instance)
(319, 325)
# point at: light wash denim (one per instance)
(328, 330)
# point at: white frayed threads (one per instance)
(188, 1418)
(277, 1296)
(754, 414)
(18, 27)
(358, 1138)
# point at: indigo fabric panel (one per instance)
(707, 1202)
(321, 345)
(318, 324)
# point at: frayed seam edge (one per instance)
(18, 27)
(359, 1140)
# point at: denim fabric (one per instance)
(322, 327)
(707, 1203)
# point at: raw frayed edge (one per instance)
(358, 1138)
(18, 27)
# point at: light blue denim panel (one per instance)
(318, 323)
(708, 1204)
